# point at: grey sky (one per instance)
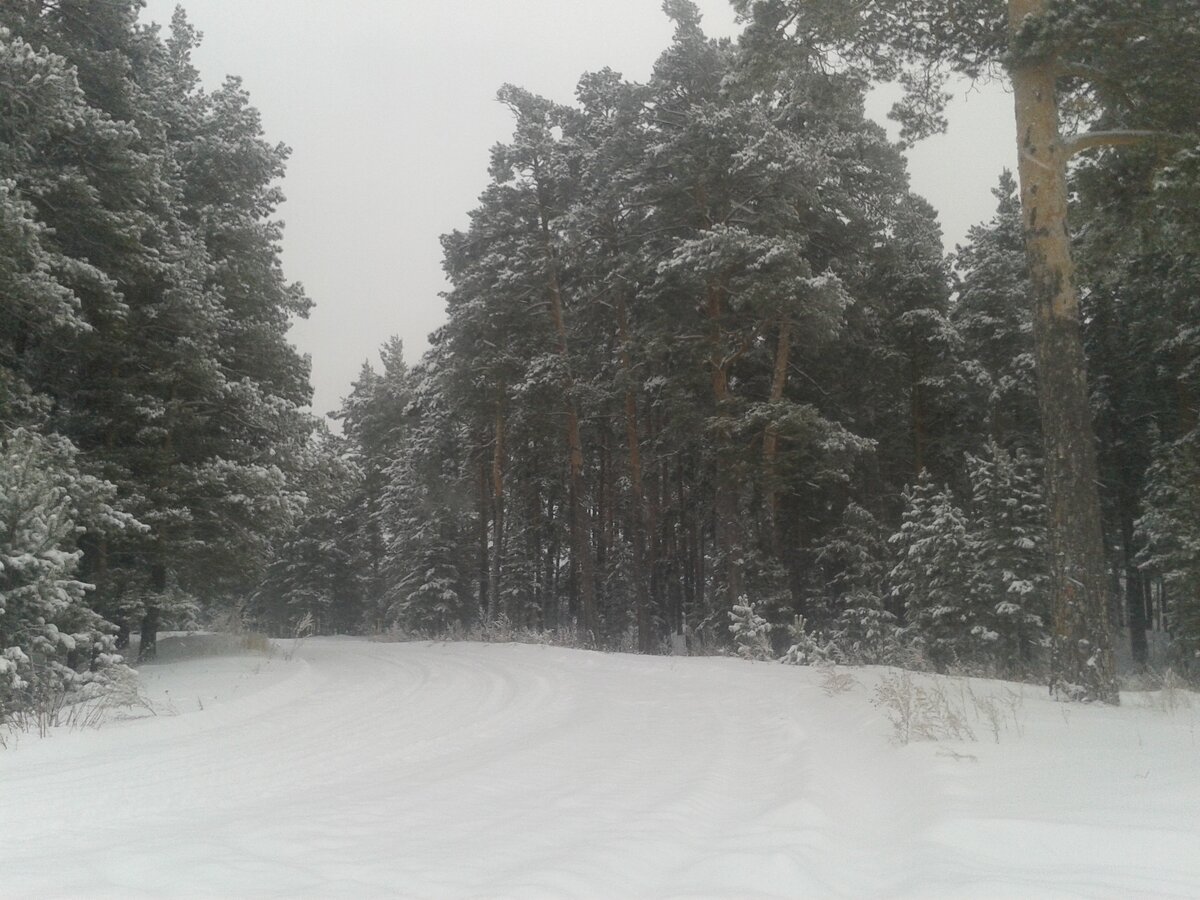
(389, 108)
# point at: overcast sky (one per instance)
(389, 108)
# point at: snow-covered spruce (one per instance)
(51, 642)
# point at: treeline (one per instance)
(704, 351)
(705, 365)
(150, 406)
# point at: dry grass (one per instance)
(920, 713)
(836, 681)
(255, 642)
(1171, 693)
(947, 708)
(301, 632)
(499, 631)
(53, 706)
(997, 712)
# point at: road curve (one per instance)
(360, 769)
(429, 770)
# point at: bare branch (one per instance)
(1091, 140)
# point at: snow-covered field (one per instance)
(361, 769)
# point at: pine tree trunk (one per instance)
(533, 554)
(148, 648)
(638, 524)
(695, 531)
(1135, 597)
(726, 497)
(581, 551)
(603, 532)
(1082, 665)
(552, 602)
(152, 617)
(484, 503)
(656, 553)
(771, 435)
(581, 548)
(917, 404)
(493, 606)
(1186, 406)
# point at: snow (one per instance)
(358, 769)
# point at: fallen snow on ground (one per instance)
(361, 769)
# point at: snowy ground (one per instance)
(482, 770)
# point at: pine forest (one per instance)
(707, 383)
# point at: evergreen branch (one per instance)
(1096, 77)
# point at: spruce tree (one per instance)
(863, 627)
(1171, 530)
(1008, 565)
(931, 576)
(430, 523)
(993, 317)
(318, 566)
(150, 312)
(51, 641)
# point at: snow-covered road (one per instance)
(481, 770)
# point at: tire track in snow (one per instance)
(476, 770)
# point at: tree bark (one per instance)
(148, 648)
(771, 435)
(726, 498)
(1082, 665)
(1135, 596)
(494, 575)
(639, 521)
(484, 558)
(581, 547)
(152, 617)
(917, 411)
(552, 603)
(603, 530)
(699, 602)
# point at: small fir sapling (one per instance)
(805, 647)
(751, 632)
